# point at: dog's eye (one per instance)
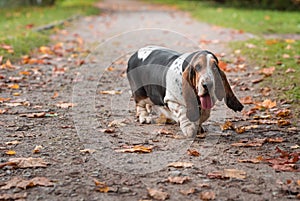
(198, 67)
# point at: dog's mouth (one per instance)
(206, 101)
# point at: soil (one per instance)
(87, 147)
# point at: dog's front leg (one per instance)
(143, 108)
(189, 128)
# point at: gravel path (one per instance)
(82, 145)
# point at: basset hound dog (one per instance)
(184, 86)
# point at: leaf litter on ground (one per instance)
(25, 163)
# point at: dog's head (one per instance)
(203, 83)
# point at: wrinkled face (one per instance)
(205, 67)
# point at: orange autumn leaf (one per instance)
(178, 180)
(223, 65)
(45, 50)
(247, 100)
(180, 164)
(55, 95)
(14, 86)
(228, 125)
(193, 152)
(267, 71)
(271, 42)
(157, 194)
(207, 195)
(24, 73)
(136, 149)
(4, 99)
(268, 104)
(10, 152)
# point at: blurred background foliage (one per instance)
(261, 4)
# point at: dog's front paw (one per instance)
(189, 130)
(145, 119)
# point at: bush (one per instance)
(263, 4)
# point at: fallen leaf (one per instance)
(216, 175)
(2, 111)
(14, 196)
(286, 56)
(110, 68)
(178, 180)
(247, 100)
(234, 173)
(25, 162)
(228, 125)
(271, 41)
(268, 104)
(223, 65)
(4, 100)
(136, 149)
(193, 152)
(250, 45)
(13, 86)
(164, 131)
(89, 151)
(101, 186)
(251, 160)
(265, 91)
(24, 73)
(257, 80)
(282, 122)
(158, 194)
(188, 191)
(267, 71)
(37, 149)
(111, 92)
(207, 195)
(283, 113)
(23, 183)
(65, 105)
(45, 50)
(34, 115)
(10, 152)
(268, 116)
(181, 164)
(295, 147)
(118, 123)
(275, 140)
(55, 95)
(104, 189)
(240, 130)
(286, 162)
(290, 70)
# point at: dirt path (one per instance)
(81, 145)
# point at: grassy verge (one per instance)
(282, 54)
(17, 24)
(248, 20)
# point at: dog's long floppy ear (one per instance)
(189, 95)
(223, 90)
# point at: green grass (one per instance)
(249, 20)
(15, 24)
(284, 55)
